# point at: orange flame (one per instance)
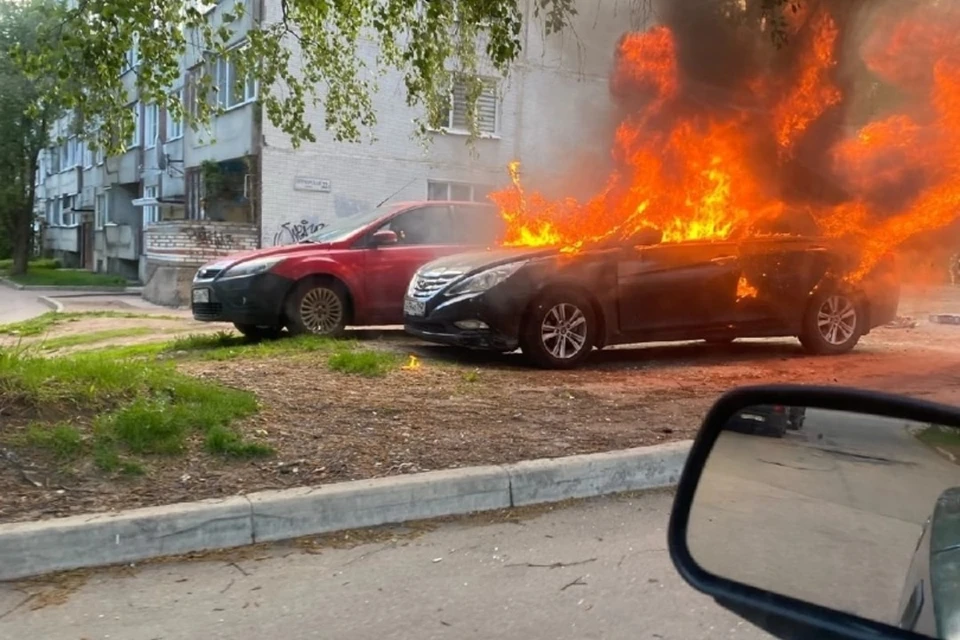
(413, 364)
(745, 289)
(704, 175)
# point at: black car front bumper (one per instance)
(254, 300)
(501, 316)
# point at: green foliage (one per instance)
(43, 263)
(27, 110)
(142, 408)
(425, 41)
(364, 363)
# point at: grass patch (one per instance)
(940, 436)
(41, 263)
(68, 278)
(141, 408)
(471, 376)
(62, 440)
(224, 345)
(365, 363)
(64, 342)
(42, 324)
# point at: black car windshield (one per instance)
(340, 228)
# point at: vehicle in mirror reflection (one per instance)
(856, 512)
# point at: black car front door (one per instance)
(783, 271)
(676, 287)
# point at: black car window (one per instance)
(477, 225)
(425, 225)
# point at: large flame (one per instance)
(702, 174)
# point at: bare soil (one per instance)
(464, 408)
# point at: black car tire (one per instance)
(256, 332)
(819, 334)
(568, 311)
(318, 307)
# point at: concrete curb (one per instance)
(74, 291)
(34, 548)
(50, 302)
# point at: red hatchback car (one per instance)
(353, 271)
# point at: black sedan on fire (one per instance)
(557, 307)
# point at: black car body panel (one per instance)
(251, 300)
(662, 292)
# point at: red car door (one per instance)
(424, 233)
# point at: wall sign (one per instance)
(301, 183)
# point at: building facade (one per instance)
(179, 197)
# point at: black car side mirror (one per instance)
(384, 237)
(824, 513)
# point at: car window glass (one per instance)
(426, 225)
(478, 225)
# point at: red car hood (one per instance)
(284, 251)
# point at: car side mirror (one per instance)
(645, 237)
(817, 512)
(384, 237)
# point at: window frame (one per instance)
(101, 209)
(249, 89)
(151, 121)
(491, 84)
(137, 133)
(151, 213)
(175, 126)
(449, 184)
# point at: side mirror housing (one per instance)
(804, 510)
(384, 237)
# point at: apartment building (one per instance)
(178, 197)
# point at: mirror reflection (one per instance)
(854, 512)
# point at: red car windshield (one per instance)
(341, 228)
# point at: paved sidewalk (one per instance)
(16, 306)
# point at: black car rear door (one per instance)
(674, 287)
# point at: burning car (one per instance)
(557, 306)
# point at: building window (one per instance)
(462, 191)
(488, 106)
(132, 55)
(99, 156)
(134, 140)
(151, 125)
(66, 213)
(53, 156)
(100, 211)
(175, 125)
(151, 214)
(87, 154)
(232, 90)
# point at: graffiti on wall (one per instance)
(294, 232)
(205, 237)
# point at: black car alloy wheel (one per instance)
(560, 330)
(832, 324)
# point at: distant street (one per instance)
(596, 570)
(16, 305)
(831, 514)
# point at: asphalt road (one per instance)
(830, 514)
(16, 305)
(595, 570)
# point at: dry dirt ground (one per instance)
(462, 408)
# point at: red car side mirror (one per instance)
(384, 237)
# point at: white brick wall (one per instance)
(556, 118)
(197, 241)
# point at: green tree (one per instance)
(428, 41)
(26, 114)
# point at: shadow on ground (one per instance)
(629, 357)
